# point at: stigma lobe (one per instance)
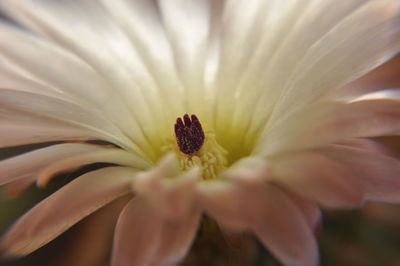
(189, 134)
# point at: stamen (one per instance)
(189, 134)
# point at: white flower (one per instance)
(275, 142)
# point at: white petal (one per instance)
(110, 51)
(384, 77)
(66, 112)
(187, 25)
(360, 41)
(64, 208)
(326, 122)
(308, 48)
(26, 54)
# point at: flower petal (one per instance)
(310, 210)
(111, 53)
(142, 22)
(56, 109)
(308, 48)
(318, 178)
(266, 211)
(137, 234)
(94, 236)
(379, 173)
(329, 122)
(383, 77)
(17, 129)
(64, 208)
(369, 36)
(284, 230)
(176, 239)
(168, 190)
(42, 164)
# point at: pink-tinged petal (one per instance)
(379, 173)
(18, 187)
(319, 179)
(34, 129)
(383, 77)
(250, 170)
(64, 208)
(234, 199)
(168, 190)
(137, 234)
(101, 155)
(365, 144)
(329, 122)
(234, 205)
(268, 212)
(310, 210)
(284, 230)
(44, 163)
(93, 236)
(176, 239)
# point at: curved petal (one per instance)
(137, 234)
(93, 236)
(318, 178)
(268, 212)
(18, 187)
(384, 77)
(284, 230)
(368, 36)
(64, 208)
(169, 191)
(66, 112)
(43, 163)
(329, 122)
(18, 129)
(111, 53)
(379, 173)
(142, 22)
(308, 48)
(25, 54)
(310, 210)
(176, 239)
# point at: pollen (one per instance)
(193, 146)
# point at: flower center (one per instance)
(193, 146)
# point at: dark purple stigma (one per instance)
(189, 134)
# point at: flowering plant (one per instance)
(229, 108)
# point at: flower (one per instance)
(229, 108)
